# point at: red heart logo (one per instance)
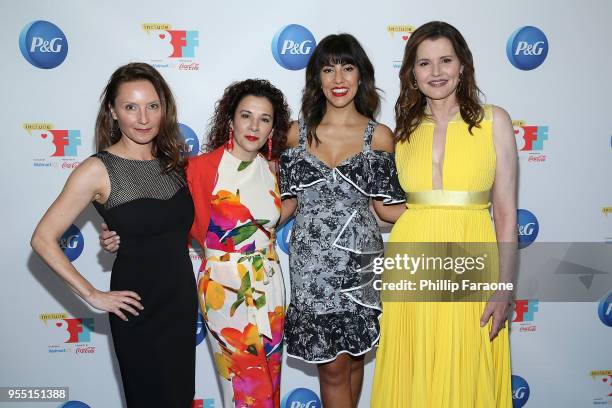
(58, 324)
(44, 135)
(162, 36)
(405, 37)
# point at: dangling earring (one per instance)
(270, 148)
(230, 141)
(414, 85)
(115, 131)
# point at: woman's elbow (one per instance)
(38, 241)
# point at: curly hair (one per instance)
(225, 108)
(411, 103)
(337, 49)
(169, 145)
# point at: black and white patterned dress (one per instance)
(334, 309)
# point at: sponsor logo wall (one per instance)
(57, 61)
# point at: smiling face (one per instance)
(339, 83)
(252, 125)
(437, 68)
(137, 110)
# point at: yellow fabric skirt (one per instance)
(435, 354)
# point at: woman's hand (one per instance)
(109, 240)
(116, 302)
(498, 308)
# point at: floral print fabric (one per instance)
(240, 287)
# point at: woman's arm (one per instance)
(288, 206)
(293, 136)
(87, 182)
(504, 214)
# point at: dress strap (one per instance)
(302, 132)
(367, 137)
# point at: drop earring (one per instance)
(230, 141)
(270, 148)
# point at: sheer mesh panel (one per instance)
(134, 179)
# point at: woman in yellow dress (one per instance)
(455, 157)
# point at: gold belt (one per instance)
(447, 198)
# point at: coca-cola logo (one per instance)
(194, 66)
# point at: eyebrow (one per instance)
(248, 111)
(427, 59)
(147, 103)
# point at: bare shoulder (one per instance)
(503, 132)
(90, 168)
(293, 137)
(89, 179)
(382, 139)
(500, 115)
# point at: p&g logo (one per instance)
(74, 404)
(191, 140)
(284, 236)
(292, 46)
(200, 329)
(301, 398)
(43, 44)
(527, 48)
(605, 310)
(520, 391)
(72, 243)
(528, 228)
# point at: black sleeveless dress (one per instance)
(152, 212)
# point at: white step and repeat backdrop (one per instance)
(547, 62)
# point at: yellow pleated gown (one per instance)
(435, 354)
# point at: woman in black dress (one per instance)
(136, 182)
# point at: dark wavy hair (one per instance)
(225, 108)
(337, 49)
(411, 103)
(168, 146)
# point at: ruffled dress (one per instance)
(334, 308)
